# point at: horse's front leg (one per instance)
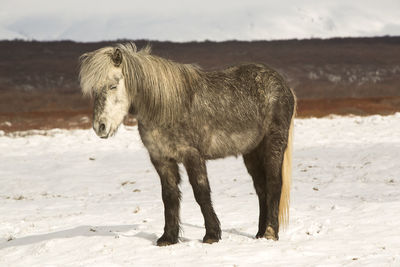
(169, 175)
(196, 169)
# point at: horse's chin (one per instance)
(112, 132)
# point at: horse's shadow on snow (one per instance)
(84, 230)
(89, 231)
(230, 231)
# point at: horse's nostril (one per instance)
(102, 127)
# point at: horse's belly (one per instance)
(222, 144)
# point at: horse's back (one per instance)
(235, 108)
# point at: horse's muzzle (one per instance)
(100, 129)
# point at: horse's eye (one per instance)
(113, 87)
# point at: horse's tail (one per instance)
(287, 175)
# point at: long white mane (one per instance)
(158, 88)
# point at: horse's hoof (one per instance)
(163, 241)
(210, 240)
(259, 235)
(270, 234)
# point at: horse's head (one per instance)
(102, 78)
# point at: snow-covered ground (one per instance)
(68, 198)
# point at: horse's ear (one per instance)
(83, 57)
(117, 57)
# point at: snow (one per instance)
(68, 198)
(190, 20)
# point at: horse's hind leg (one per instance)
(169, 175)
(255, 166)
(196, 169)
(275, 145)
(264, 164)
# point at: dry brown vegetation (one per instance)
(39, 87)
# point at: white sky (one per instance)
(175, 20)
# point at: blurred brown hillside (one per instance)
(39, 79)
